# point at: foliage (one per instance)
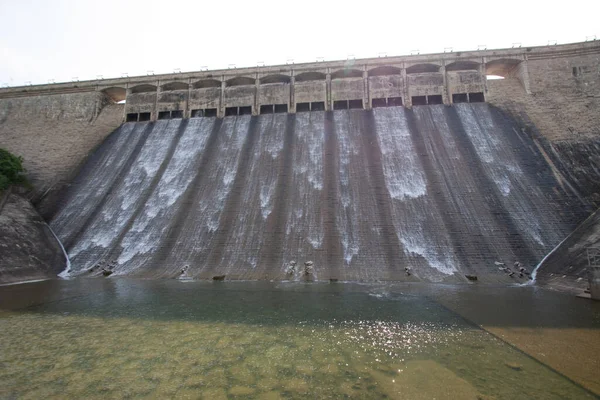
(11, 170)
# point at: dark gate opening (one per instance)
(340, 105)
(302, 107)
(394, 101)
(435, 99)
(376, 103)
(419, 100)
(246, 110)
(266, 109)
(281, 108)
(317, 106)
(177, 114)
(355, 104)
(210, 112)
(132, 117)
(231, 111)
(164, 114)
(196, 114)
(476, 97)
(145, 116)
(459, 98)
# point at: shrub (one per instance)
(11, 170)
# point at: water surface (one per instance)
(124, 338)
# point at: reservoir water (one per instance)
(127, 338)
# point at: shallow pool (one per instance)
(123, 338)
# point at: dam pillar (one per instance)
(446, 98)
(328, 105)
(482, 77)
(155, 116)
(292, 105)
(256, 106)
(188, 112)
(221, 110)
(405, 96)
(366, 97)
(523, 75)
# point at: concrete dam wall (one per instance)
(363, 194)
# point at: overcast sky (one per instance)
(61, 39)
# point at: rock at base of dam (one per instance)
(28, 249)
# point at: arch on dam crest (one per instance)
(502, 67)
(463, 66)
(116, 94)
(346, 73)
(385, 71)
(145, 88)
(422, 68)
(275, 78)
(310, 76)
(240, 81)
(207, 83)
(174, 86)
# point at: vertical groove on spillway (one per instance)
(434, 188)
(271, 257)
(147, 192)
(329, 203)
(114, 182)
(187, 205)
(392, 245)
(233, 202)
(501, 214)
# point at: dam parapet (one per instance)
(443, 78)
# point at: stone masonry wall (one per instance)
(54, 134)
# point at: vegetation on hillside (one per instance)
(11, 170)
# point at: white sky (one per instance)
(62, 39)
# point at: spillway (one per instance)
(440, 191)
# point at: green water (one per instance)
(118, 338)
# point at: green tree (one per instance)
(11, 169)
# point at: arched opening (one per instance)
(207, 83)
(143, 89)
(384, 71)
(240, 81)
(347, 73)
(117, 94)
(502, 68)
(174, 86)
(422, 68)
(277, 78)
(310, 76)
(462, 66)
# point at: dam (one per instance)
(362, 194)
(410, 168)
(394, 227)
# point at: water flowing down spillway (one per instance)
(442, 191)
